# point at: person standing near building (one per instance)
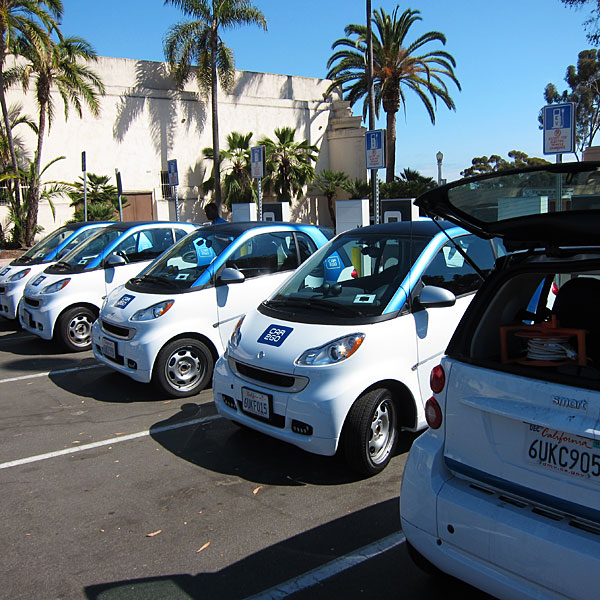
(212, 213)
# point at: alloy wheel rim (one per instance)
(184, 369)
(80, 330)
(383, 433)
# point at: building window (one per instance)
(167, 190)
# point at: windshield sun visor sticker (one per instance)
(123, 301)
(364, 298)
(275, 335)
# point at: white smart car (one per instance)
(339, 357)
(16, 274)
(64, 300)
(169, 324)
(503, 489)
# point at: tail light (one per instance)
(433, 413)
(437, 379)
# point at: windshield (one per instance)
(81, 256)
(77, 238)
(46, 246)
(356, 274)
(528, 193)
(187, 260)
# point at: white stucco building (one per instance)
(145, 122)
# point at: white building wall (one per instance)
(144, 122)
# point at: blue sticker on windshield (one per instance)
(275, 335)
(123, 301)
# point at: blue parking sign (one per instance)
(375, 149)
(559, 128)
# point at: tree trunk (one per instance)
(390, 150)
(11, 144)
(215, 118)
(34, 184)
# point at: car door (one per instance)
(138, 248)
(434, 326)
(265, 260)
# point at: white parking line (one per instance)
(115, 440)
(335, 567)
(46, 373)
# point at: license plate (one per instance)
(566, 453)
(27, 318)
(109, 348)
(256, 403)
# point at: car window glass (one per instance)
(79, 237)
(265, 253)
(451, 271)
(145, 245)
(180, 233)
(84, 254)
(48, 244)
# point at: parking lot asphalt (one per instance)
(110, 490)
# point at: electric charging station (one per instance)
(350, 214)
(399, 209)
(244, 212)
(276, 211)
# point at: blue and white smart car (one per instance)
(169, 324)
(339, 357)
(64, 300)
(15, 275)
(503, 489)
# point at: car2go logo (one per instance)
(123, 301)
(275, 335)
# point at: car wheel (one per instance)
(74, 328)
(183, 367)
(370, 432)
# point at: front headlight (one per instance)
(152, 312)
(333, 352)
(19, 275)
(236, 336)
(56, 287)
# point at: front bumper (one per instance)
(502, 545)
(322, 403)
(9, 302)
(38, 319)
(132, 357)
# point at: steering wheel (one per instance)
(122, 255)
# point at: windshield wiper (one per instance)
(314, 303)
(153, 279)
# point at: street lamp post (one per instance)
(439, 157)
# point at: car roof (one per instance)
(125, 225)
(236, 228)
(424, 227)
(543, 206)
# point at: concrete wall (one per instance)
(144, 122)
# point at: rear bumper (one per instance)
(508, 548)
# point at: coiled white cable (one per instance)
(552, 349)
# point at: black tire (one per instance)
(74, 329)
(183, 367)
(423, 564)
(370, 432)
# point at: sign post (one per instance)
(375, 155)
(257, 164)
(120, 192)
(83, 168)
(174, 182)
(559, 136)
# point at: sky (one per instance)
(506, 52)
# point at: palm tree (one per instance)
(397, 67)
(328, 182)
(236, 175)
(289, 164)
(32, 20)
(102, 197)
(199, 42)
(60, 65)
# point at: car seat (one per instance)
(575, 307)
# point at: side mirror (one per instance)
(114, 260)
(432, 296)
(229, 275)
